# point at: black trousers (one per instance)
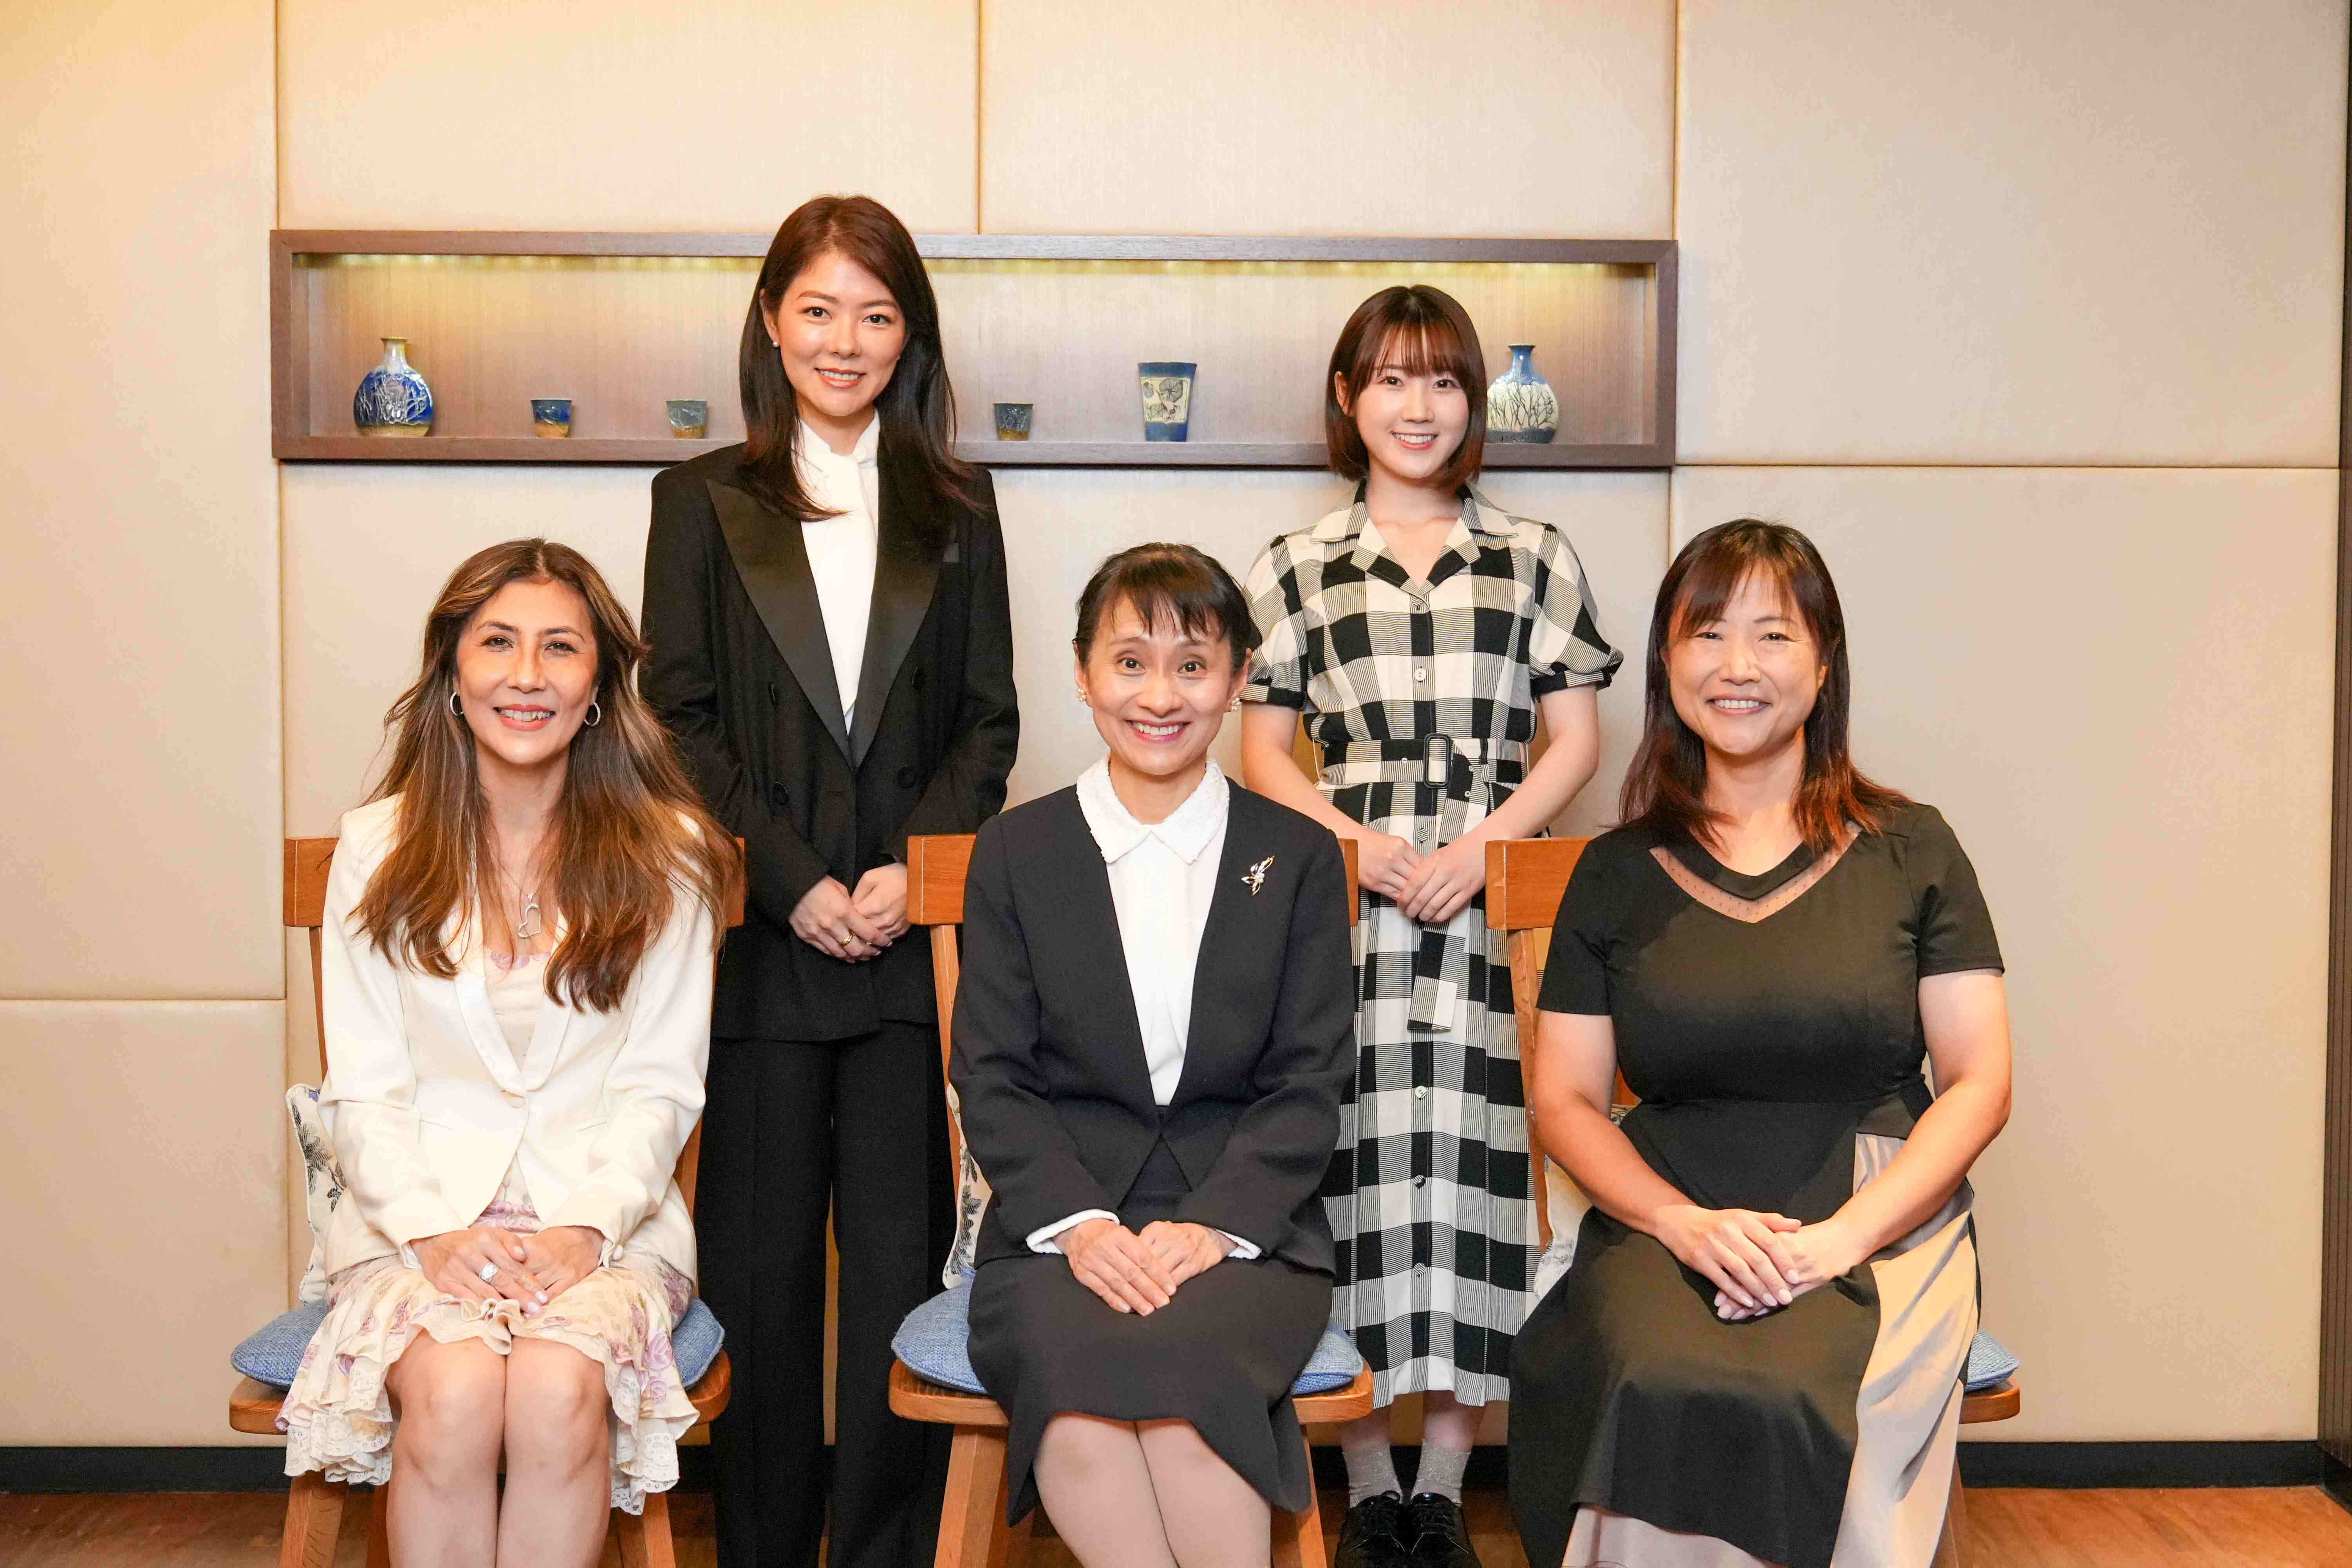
(792, 1128)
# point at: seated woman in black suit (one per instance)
(1151, 1041)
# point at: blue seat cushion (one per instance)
(273, 1355)
(935, 1344)
(1990, 1363)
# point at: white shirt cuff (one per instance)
(1044, 1239)
(1244, 1251)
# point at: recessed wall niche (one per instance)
(622, 324)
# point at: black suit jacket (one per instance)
(1049, 1065)
(741, 670)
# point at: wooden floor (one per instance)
(2281, 1528)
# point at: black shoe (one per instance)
(1370, 1537)
(1434, 1530)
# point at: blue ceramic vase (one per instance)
(393, 399)
(1520, 404)
(1167, 387)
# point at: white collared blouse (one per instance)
(1163, 876)
(842, 549)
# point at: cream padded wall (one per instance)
(366, 551)
(142, 1146)
(2116, 686)
(1060, 523)
(1234, 116)
(2028, 231)
(606, 114)
(138, 649)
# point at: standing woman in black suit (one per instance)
(831, 642)
(1157, 1015)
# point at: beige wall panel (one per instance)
(608, 114)
(1060, 523)
(2116, 686)
(366, 550)
(138, 541)
(1227, 116)
(2031, 231)
(142, 1146)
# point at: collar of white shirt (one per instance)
(811, 449)
(1187, 830)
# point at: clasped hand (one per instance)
(1758, 1262)
(530, 1270)
(853, 927)
(1431, 888)
(1138, 1272)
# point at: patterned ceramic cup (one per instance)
(1167, 387)
(1012, 421)
(550, 417)
(689, 417)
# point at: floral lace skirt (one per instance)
(338, 1416)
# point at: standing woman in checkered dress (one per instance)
(1418, 632)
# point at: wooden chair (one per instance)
(1524, 879)
(314, 1509)
(972, 1531)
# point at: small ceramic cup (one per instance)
(1012, 421)
(1166, 387)
(550, 417)
(689, 417)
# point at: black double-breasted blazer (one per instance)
(741, 670)
(1048, 1060)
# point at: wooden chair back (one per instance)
(936, 867)
(309, 862)
(1524, 879)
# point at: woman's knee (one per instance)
(555, 1403)
(451, 1399)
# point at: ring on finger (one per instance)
(487, 1273)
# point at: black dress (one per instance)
(1779, 1063)
(1058, 1105)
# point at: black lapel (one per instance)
(772, 561)
(1223, 938)
(1097, 951)
(906, 568)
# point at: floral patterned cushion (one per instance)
(972, 1193)
(322, 1184)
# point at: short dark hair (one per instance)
(1168, 584)
(916, 409)
(1424, 331)
(1665, 788)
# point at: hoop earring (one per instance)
(595, 715)
(457, 709)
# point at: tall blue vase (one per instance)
(393, 399)
(1520, 404)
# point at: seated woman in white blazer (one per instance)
(518, 945)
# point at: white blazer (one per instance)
(427, 1107)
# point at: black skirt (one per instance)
(1222, 1356)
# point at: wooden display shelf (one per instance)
(620, 321)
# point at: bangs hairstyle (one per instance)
(1169, 585)
(1665, 788)
(621, 844)
(1423, 331)
(916, 409)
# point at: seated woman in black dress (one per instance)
(1755, 1353)
(1150, 1040)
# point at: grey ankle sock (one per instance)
(1371, 1469)
(1440, 1471)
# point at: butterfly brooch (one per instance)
(1254, 877)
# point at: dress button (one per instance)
(1419, 1268)
(778, 801)
(906, 778)
(1421, 1181)
(1420, 674)
(1421, 1091)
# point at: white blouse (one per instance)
(1163, 876)
(841, 550)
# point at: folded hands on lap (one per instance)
(1140, 1271)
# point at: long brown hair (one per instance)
(1665, 788)
(1424, 331)
(916, 409)
(621, 845)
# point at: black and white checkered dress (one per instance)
(1421, 697)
